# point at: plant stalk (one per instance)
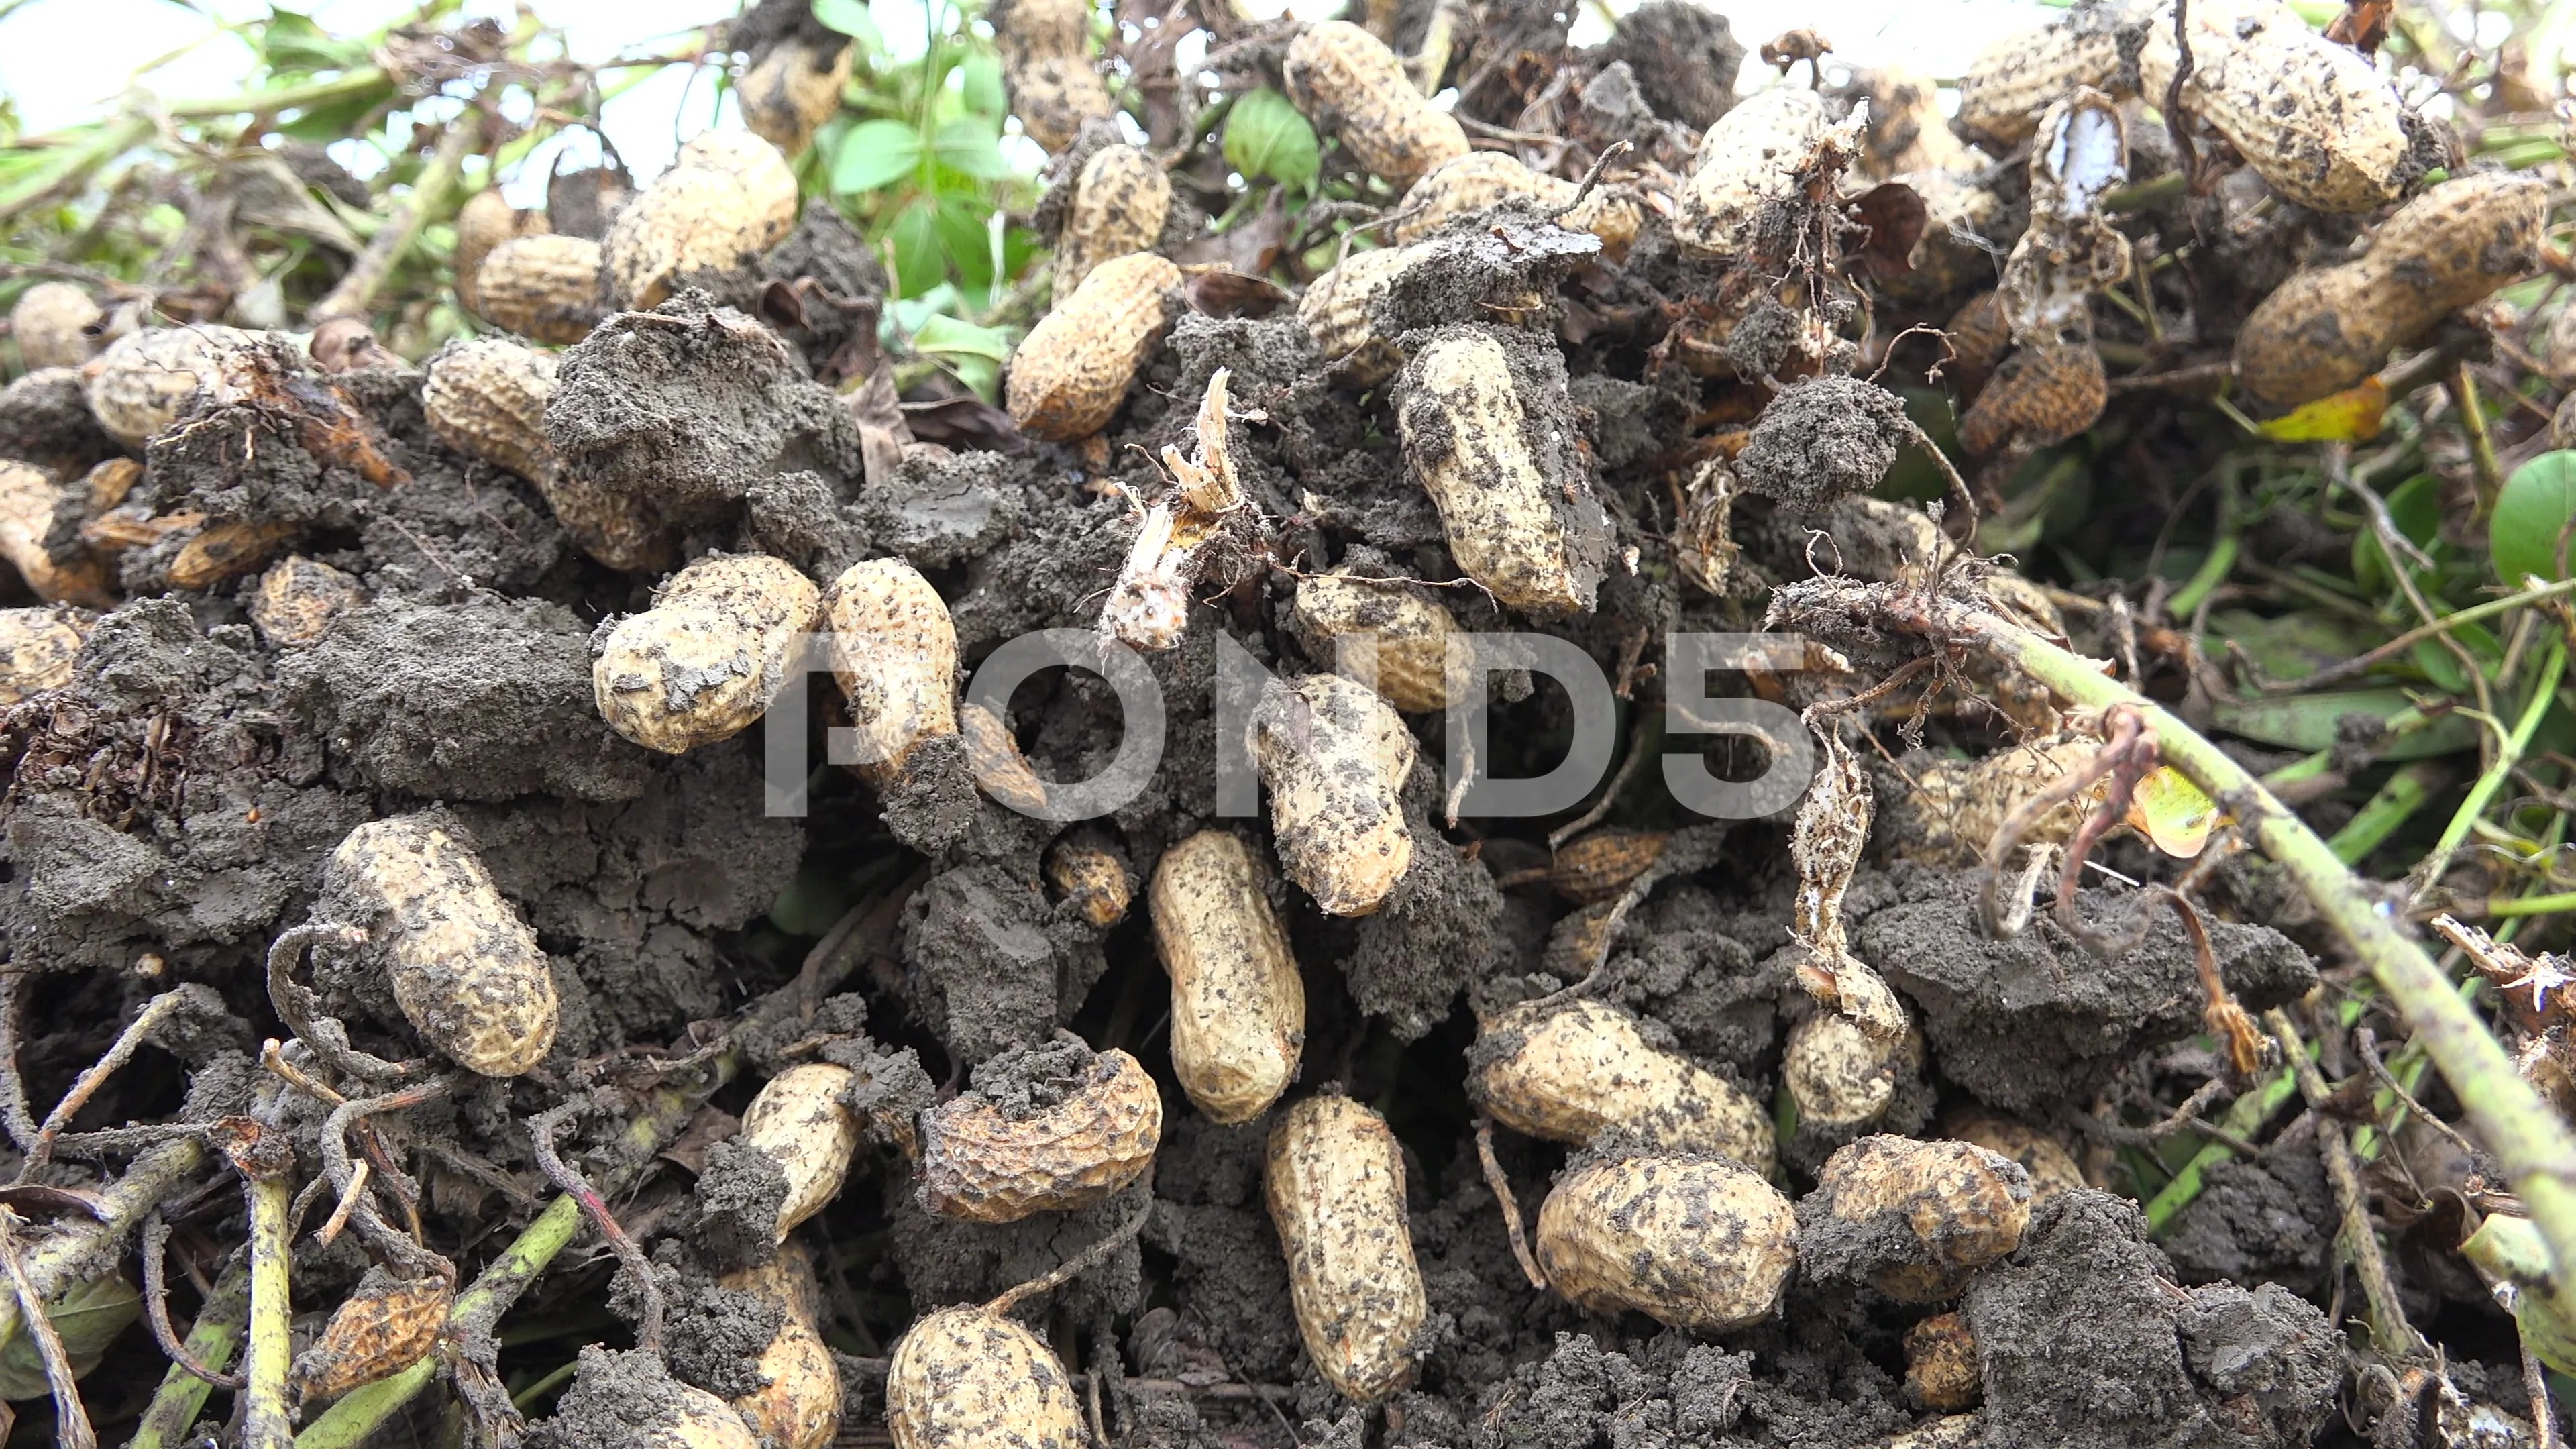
(212, 1340)
(265, 1420)
(355, 295)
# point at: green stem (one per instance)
(2548, 905)
(2245, 1117)
(299, 97)
(2483, 793)
(2394, 805)
(265, 1420)
(2213, 571)
(81, 1246)
(2532, 1143)
(212, 1340)
(355, 295)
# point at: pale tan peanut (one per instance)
(798, 1405)
(1336, 307)
(139, 386)
(2313, 117)
(1119, 204)
(1238, 1002)
(986, 1164)
(1950, 809)
(1952, 1431)
(1512, 496)
(1914, 1218)
(1699, 1242)
(1072, 370)
(1334, 756)
(297, 599)
(800, 1122)
(227, 549)
(1479, 179)
(1941, 1370)
(1405, 636)
(2014, 81)
(1348, 82)
(485, 221)
(28, 502)
(894, 651)
(2052, 1168)
(792, 90)
(486, 397)
(970, 1378)
(1573, 1071)
(1747, 162)
(462, 963)
(52, 322)
(728, 198)
(2327, 328)
(1841, 1075)
(1047, 67)
(1907, 132)
(1086, 871)
(37, 647)
(1335, 1184)
(543, 286)
(723, 637)
(1001, 771)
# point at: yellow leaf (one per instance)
(2171, 811)
(2350, 416)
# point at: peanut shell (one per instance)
(1001, 771)
(2313, 117)
(1047, 66)
(798, 1405)
(1085, 870)
(1571, 1072)
(544, 287)
(965, 1378)
(1334, 757)
(485, 221)
(1071, 372)
(49, 323)
(793, 89)
(385, 1326)
(705, 661)
(1119, 204)
(894, 651)
(1336, 307)
(1238, 1003)
(37, 647)
(2013, 82)
(2052, 1168)
(1747, 162)
(2040, 397)
(227, 548)
(28, 501)
(297, 599)
(1842, 1076)
(463, 965)
(1599, 866)
(799, 1120)
(139, 386)
(1467, 184)
(1941, 1364)
(1701, 1243)
(728, 198)
(1912, 1217)
(1348, 82)
(980, 1163)
(1411, 632)
(1335, 1184)
(486, 398)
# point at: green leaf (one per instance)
(918, 264)
(851, 18)
(292, 42)
(2294, 646)
(1264, 136)
(2444, 670)
(948, 338)
(971, 146)
(88, 1317)
(2511, 1248)
(2530, 515)
(981, 76)
(874, 154)
(2308, 722)
(969, 245)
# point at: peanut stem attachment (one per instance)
(2536, 1148)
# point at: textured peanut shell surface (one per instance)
(1599, 866)
(1747, 162)
(1840, 1075)
(2040, 397)
(28, 501)
(1570, 1072)
(962, 1378)
(798, 1119)
(894, 651)
(463, 965)
(1335, 1183)
(486, 220)
(2013, 82)
(1941, 1364)
(1119, 205)
(544, 287)
(1946, 811)
(799, 1405)
(1335, 310)
(1333, 756)
(486, 398)
(1471, 183)
(48, 323)
(37, 647)
(2052, 1168)
(2312, 116)
(384, 1327)
(705, 661)
(1347, 80)
(2327, 328)
(1918, 1214)
(793, 89)
(1071, 372)
(298, 597)
(1083, 870)
(728, 198)
(1698, 1242)
(1238, 1004)
(138, 386)
(980, 1163)
(1046, 62)
(227, 549)
(1520, 518)
(1408, 637)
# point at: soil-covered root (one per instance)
(1695, 1241)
